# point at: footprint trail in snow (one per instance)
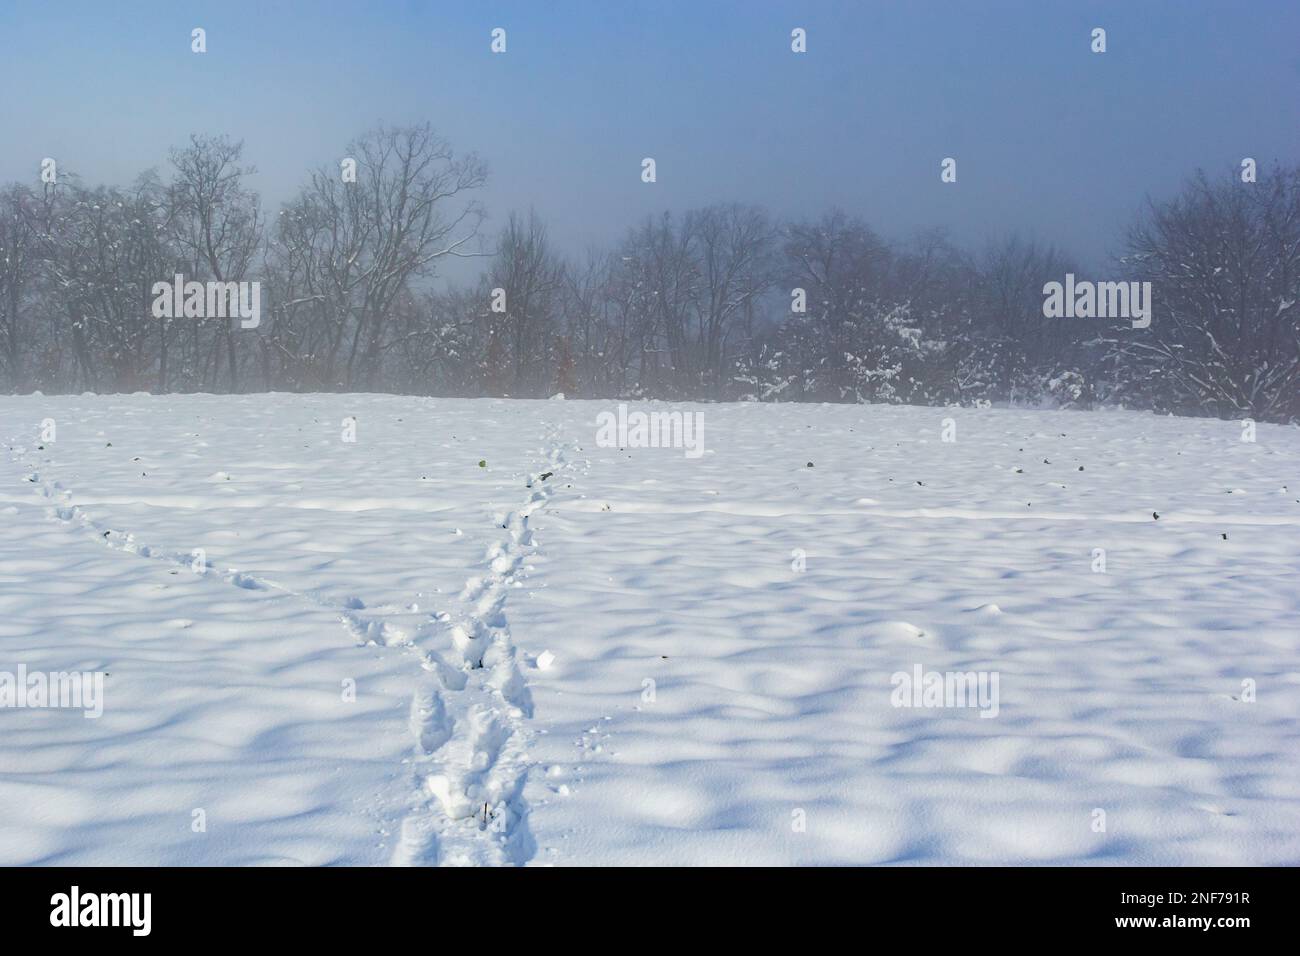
(470, 733)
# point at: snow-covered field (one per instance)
(573, 654)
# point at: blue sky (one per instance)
(1051, 139)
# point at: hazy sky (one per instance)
(1050, 138)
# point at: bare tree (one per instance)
(20, 250)
(217, 223)
(530, 275)
(347, 251)
(732, 245)
(1224, 261)
(591, 334)
(107, 248)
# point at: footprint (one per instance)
(417, 845)
(450, 795)
(430, 724)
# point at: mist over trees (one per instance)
(717, 303)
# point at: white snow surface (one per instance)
(622, 662)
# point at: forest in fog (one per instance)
(718, 303)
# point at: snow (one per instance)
(395, 656)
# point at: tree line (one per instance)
(718, 303)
